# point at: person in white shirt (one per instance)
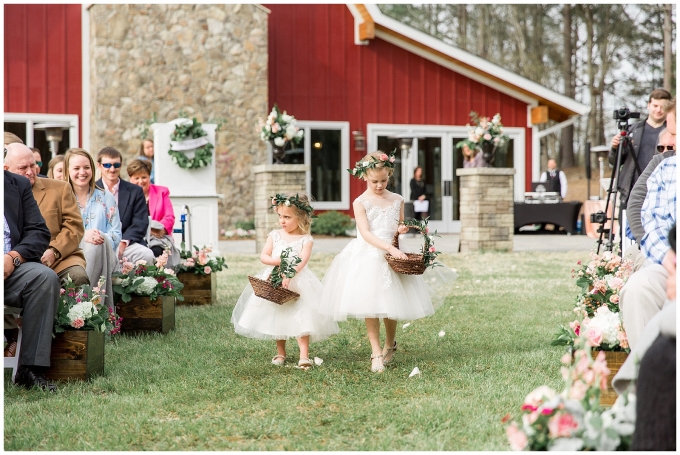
(555, 178)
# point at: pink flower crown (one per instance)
(363, 165)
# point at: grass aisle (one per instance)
(202, 387)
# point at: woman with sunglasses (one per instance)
(100, 218)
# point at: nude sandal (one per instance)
(380, 368)
(305, 364)
(279, 360)
(391, 350)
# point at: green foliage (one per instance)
(332, 223)
(202, 155)
(428, 251)
(197, 261)
(246, 225)
(286, 269)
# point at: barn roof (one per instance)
(371, 23)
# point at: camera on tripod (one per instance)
(624, 114)
(598, 217)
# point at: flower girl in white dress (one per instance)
(360, 283)
(259, 318)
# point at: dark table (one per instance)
(563, 214)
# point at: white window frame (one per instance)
(31, 119)
(517, 133)
(343, 127)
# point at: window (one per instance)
(23, 126)
(325, 149)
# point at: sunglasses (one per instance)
(663, 148)
(38, 163)
(108, 165)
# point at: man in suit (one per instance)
(29, 284)
(555, 178)
(59, 208)
(134, 214)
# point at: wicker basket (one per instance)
(614, 361)
(414, 265)
(265, 290)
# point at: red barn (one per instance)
(353, 78)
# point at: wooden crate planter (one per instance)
(76, 354)
(614, 361)
(198, 289)
(141, 314)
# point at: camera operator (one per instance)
(643, 137)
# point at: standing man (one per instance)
(643, 136)
(59, 208)
(134, 213)
(555, 178)
(29, 284)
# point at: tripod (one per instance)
(602, 218)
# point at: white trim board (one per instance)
(30, 119)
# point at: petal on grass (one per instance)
(442, 333)
(318, 361)
(414, 372)
(405, 325)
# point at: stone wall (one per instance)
(210, 60)
(486, 209)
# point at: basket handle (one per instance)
(395, 239)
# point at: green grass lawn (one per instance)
(202, 387)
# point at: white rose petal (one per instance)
(442, 333)
(414, 372)
(318, 361)
(478, 281)
(451, 307)
(405, 325)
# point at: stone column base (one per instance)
(486, 209)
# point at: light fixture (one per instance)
(317, 145)
(405, 140)
(359, 141)
(54, 132)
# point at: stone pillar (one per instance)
(486, 209)
(269, 180)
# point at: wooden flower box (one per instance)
(198, 289)
(141, 314)
(76, 354)
(614, 361)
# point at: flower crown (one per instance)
(372, 162)
(280, 199)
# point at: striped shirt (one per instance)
(658, 210)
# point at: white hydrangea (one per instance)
(82, 310)
(608, 323)
(147, 286)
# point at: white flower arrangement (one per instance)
(280, 127)
(147, 286)
(82, 310)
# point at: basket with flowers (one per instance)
(272, 289)
(416, 263)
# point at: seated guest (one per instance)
(160, 209)
(38, 162)
(55, 168)
(27, 283)
(555, 178)
(11, 138)
(100, 218)
(643, 295)
(58, 207)
(134, 215)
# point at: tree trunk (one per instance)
(592, 90)
(481, 30)
(567, 138)
(667, 47)
(462, 26)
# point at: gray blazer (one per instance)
(638, 195)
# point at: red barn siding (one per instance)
(318, 73)
(34, 84)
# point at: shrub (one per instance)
(332, 223)
(247, 225)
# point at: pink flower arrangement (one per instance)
(200, 262)
(206, 270)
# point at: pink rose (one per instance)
(276, 128)
(190, 262)
(562, 425)
(78, 323)
(383, 157)
(62, 291)
(169, 271)
(614, 299)
(140, 262)
(207, 270)
(615, 283)
(516, 437)
(392, 159)
(594, 336)
(487, 137)
(576, 327)
(623, 339)
(432, 249)
(202, 258)
(127, 267)
(162, 260)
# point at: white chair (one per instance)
(13, 362)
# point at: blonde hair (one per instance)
(11, 138)
(380, 165)
(304, 218)
(53, 162)
(67, 158)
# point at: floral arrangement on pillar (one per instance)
(279, 129)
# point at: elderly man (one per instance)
(134, 213)
(59, 208)
(555, 178)
(29, 284)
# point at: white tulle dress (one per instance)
(361, 284)
(254, 317)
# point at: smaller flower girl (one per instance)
(259, 318)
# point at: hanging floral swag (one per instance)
(187, 137)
